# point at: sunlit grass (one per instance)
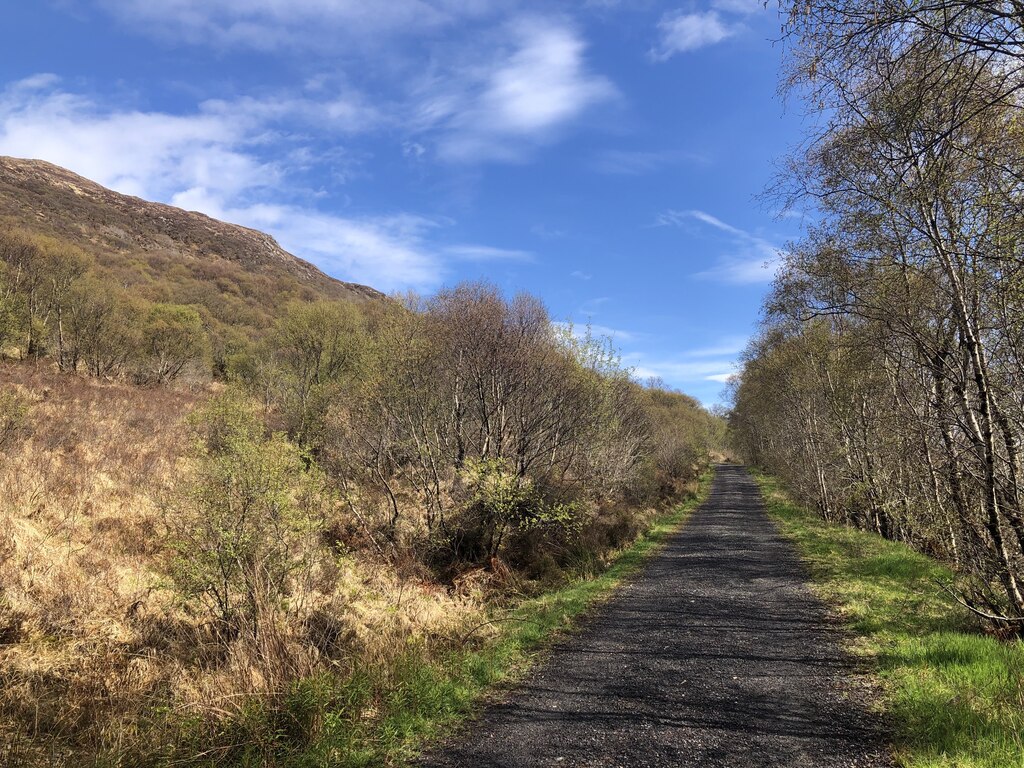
(955, 696)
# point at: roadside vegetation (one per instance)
(884, 387)
(954, 695)
(318, 547)
(387, 713)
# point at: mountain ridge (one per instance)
(49, 199)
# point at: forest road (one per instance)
(717, 654)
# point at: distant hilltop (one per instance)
(137, 239)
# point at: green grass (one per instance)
(955, 696)
(386, 715)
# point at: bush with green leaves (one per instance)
(500, 503)
(171, 338)
(246, 529)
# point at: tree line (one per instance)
(886, 383)
(469, 426)
(316, 503)
(55, 305)
(461, 427)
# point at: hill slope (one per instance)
(161, 252)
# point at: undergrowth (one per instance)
(386, 714)
(954, 695)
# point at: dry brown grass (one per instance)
(80, 524)
(93, 642)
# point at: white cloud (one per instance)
(345, 112)
(699, 371)
(413, 150)
(593, 306)
(207, 161)
(682, 32)
(579, 330)
(745, 7)
(740, 270)
(489, 91)
(682, 371)
(502, 107)
(729, 346)
(753, 259)
(547, 233)
(722, 378)
(387, 252)
(150, 154)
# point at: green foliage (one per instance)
(171, 338)
(477, 418)
(102, 326)
(885, 385)
(955, 695)
(682, 437)
(249, 513)
(9, 310)
(316, 350)
(499, 502)
(502, 494)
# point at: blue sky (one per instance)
(601, 154)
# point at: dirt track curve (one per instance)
(716, 655)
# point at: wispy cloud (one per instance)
(638, 162)
(151, 154)
(741, 270)
(509, 103)
(580, 330)
(700, 371)
(681, 32)
(683, 372)
(466, 81)
(592, 306)
(487, 253)
(274, 24)
(333, 109)
(745, 7)
(727, 347)
(386, 252)
(752, 259)
(547, 233)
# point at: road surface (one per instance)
(716, 655)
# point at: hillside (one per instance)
(163, 253)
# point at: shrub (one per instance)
(502, 508)
(316, 350)
(246, 532)
(172, 337)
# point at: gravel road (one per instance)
(716, 655)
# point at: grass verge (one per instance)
(955, 696)
(384, 715)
